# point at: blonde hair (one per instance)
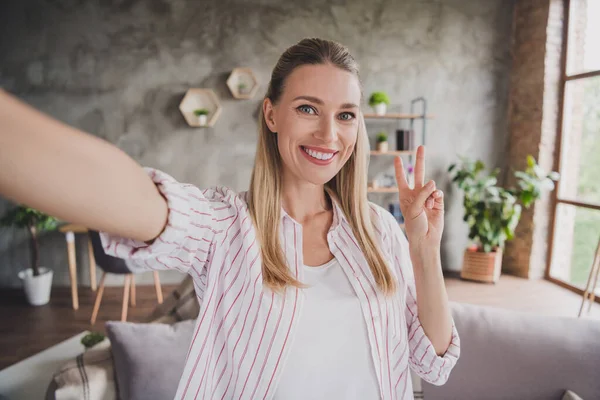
(348, 187)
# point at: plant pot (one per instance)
(382, 146)
(202, 119)
(380, 109)
(482, 267)
(37, 288)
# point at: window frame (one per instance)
(555, 199)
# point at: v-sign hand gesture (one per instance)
(421, 206)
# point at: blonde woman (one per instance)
(306, 289)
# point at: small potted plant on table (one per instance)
(37, 281)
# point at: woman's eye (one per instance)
(347, 116)
(306, 109)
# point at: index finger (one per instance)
(420, 167)
(400, 174)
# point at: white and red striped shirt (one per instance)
(244, 330)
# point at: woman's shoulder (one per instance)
(219, 198)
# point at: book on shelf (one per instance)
(405, 139)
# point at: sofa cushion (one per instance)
(149, 358)
(517, 355)
(569, 395)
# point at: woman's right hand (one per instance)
(75, 176)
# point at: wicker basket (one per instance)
(482, 267)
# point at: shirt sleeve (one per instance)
(422, 356)
(186, 240)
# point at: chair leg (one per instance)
(593, 291)
(98, 299)
(158, 287)
(126, 297)
(589, 287)
(132, 290)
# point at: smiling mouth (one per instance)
(317, 155)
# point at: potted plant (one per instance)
(242, 88)
(493, 212)
(382, 143)
(379, 101)
(202, 114)
(37, 280)
(92, 339)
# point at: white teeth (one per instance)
(318, 155)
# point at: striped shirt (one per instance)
(243, 330)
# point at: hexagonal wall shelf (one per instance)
(196, 99)
(242, 83)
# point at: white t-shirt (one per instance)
(330, 357)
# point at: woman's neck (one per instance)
(304, 200)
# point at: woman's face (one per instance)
(316, 120)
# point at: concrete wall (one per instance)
(119, 68)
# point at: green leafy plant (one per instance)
(378, 98)
(382, 137)
(493, 212)
(92, 339)
(242, 86)
(35, 222)
(200, 111)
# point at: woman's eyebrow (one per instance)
(320, 102)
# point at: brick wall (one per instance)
(533, 117)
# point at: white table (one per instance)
(28, 379)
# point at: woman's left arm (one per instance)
(432, 337)
(432, 299)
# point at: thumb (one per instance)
(424, 193)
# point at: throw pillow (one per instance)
(149, 358)
(569, 395)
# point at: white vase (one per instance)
(202, 119)
(380, 108)
(37, 288)
(382, 146)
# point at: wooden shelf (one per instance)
(392, 153)
(197, 98)
(396, 116)
(242, 76)
(383, 190)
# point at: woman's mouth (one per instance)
(316, 157)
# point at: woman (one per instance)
(306, 289)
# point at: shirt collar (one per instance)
(338, 216)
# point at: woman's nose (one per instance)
(327, 131)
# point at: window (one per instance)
(576, 222)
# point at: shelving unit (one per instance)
(412, 116)
(197, 98)
(392, 153)
(383, 190)
(242, 76)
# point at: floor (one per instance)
(28, 330)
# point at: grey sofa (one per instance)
(510, 355)
(515, 355)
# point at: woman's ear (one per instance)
(269, 114)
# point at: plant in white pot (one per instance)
(202, 114)
(242, 88)
(37, 281)
(382, 142)
(379, 101)
(493, 212)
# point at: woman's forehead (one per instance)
(325, 82)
